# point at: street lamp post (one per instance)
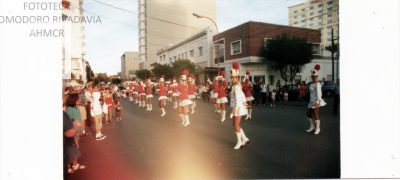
(199, 16)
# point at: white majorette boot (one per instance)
(151, 107)
(144, 103)
(148, 107)
(239, 140)
(215, 105)
(245, 140)
(165, 102)
(317, 130)
(175, 105)
(163, 112)
(250, 113)
(140, 103)
(247, 114)
(187, 120)
(312, 127)
(183, 119)
(223, 116)
(192, 109)
(136, 101)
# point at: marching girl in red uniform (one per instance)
(149, 94)
(135, 91)
(222, 96)
(238, 105)
(247, 86)
(130, 92)
(169, 95)
(162, 94)
(142, 94)
(192, 92)
(175, 92)
(215, 91)
(185, 101)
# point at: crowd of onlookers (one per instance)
(84, 105)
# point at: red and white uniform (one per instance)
(130, 88)
(247, 91)
(162, 93)
(215, 90)
(221, 93)
(148, 92)
(175, 91)
(184, 89)
(169, 88)
(141, 90)
(192, 89)
(135, 89)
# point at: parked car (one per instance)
(327, 88)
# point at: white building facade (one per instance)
(129, 64)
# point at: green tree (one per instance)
(143, 74)
(163, 69)
(288, 55)
(116, 81)
(101, 77)
(179, 65)
(332, 50)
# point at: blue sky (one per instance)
(107, 41)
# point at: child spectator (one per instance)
(286, 97)
(118, 109)
(273, 95)
(96, 112)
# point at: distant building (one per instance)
(317, 14)
(196, 48)
(129, 64)
(245, 44)
(74, 46)
(168, 22)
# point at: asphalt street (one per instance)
(145, 145)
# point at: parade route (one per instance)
(145, 145)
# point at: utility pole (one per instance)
(338, 55)
(333, 55)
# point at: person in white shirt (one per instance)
(238, 105)
(263, 92)
(273, 94)
(315, 101)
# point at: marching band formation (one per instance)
(240, 98)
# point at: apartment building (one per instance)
(317, 14)
(169, 22)
(129, 64)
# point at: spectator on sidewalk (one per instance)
(256, 90)
(263, 93)
(336, 99)
(96, 112)
(89, 98)
(273, 96)
(303, 89)
(82, 109)
(278, 85)
(70, 149)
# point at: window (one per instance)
(329, 2)
(303, 16)
(311, 13)
(329, 39)
(303, 21)
(200, 51)
(329, 9)
(320, 24)
(131, 72)
(303, 26)
(191, 53)
(174, 58)
(186, 55)
(295, 12)
(320, 17)
(311, 7)
(319, 5)
(295, 17)
(311, 19)
(329, 33)
(160, 58)
(329, 21)
(329, 78)
(316, 49)
(320, 11)
(311, 25)
(271, 80)
(170, 59)
(329, 27)
(295, 22)
(330, 15)
(179, 56)
(236, 47)
(221, 47)
(338, 13)
(303, 10)
(164, 56)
